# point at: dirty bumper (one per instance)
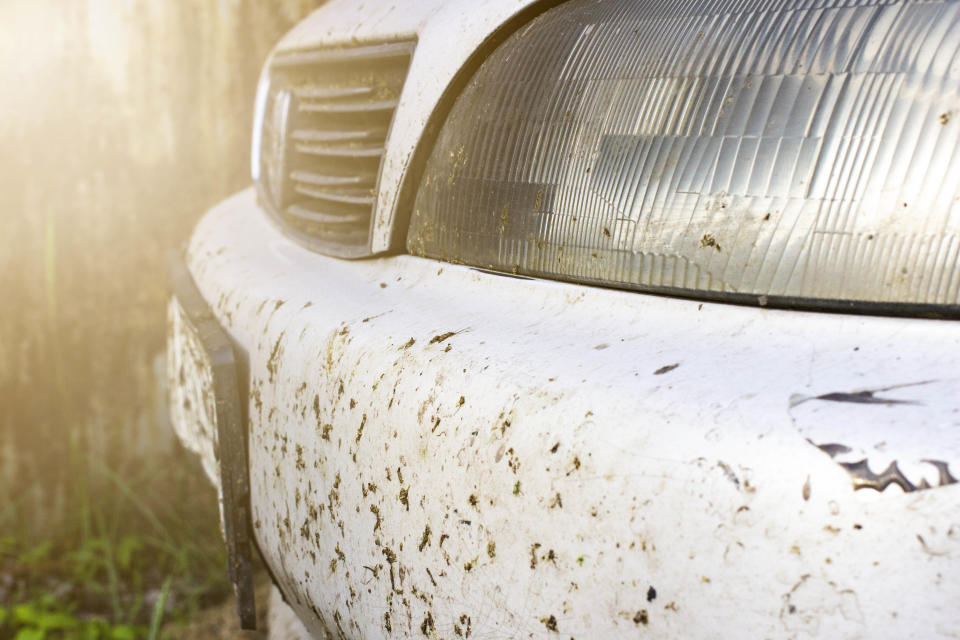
(441, 452)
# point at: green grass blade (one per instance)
(158, 610)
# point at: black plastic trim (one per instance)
(231, 436)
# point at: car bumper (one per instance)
(438, 450)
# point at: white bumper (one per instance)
(440, 452)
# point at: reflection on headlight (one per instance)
(798, 152)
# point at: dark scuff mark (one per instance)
(651, 594)
(833, 449)
(864, 396)
(861, 397)
(666, 369)
(641, 617)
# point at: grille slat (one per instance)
(337, 105)
(331, 181)
(357, 151)
(329, 93)
(330, 135)
(357, 106)
(352, 196)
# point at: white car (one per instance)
(591, 319)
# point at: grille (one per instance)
(325, 129)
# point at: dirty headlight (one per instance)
(792, 155)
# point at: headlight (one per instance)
(319, 133)
(793, 156)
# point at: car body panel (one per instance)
(440, 451)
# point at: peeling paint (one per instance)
(887, 454)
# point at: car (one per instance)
(590, 319)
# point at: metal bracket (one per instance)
(231, 437)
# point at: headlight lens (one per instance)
(776, 155)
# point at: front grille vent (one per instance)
(332, 109)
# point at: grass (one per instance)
(143, 548)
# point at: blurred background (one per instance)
(121, 122)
